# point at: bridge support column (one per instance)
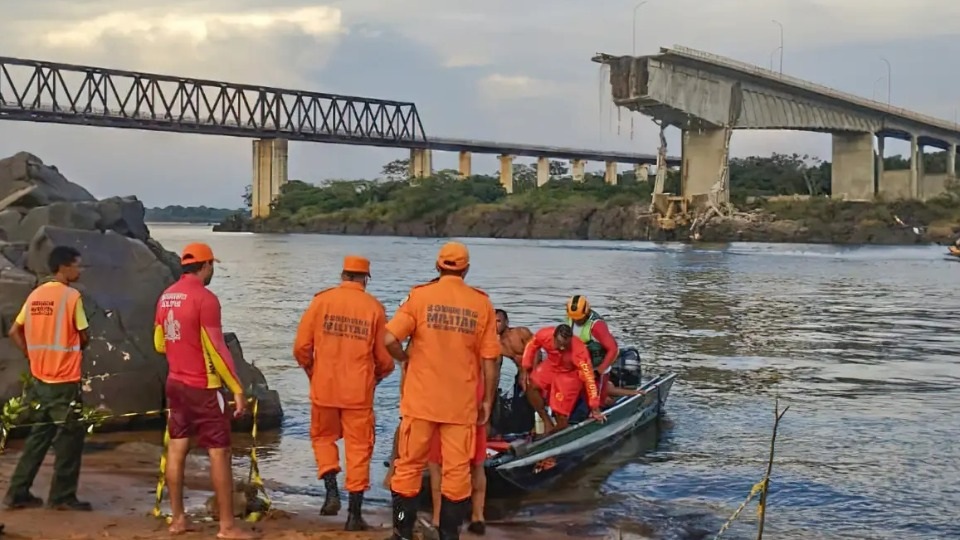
(577, 166)
(465, 164)
(952, 160)
(853, 165)
(506, 172)
(610, 173)
(543, 171)
(878, 168)
(915, 173)
(421, 163)
(269, 174)
(703, 154)
(641, 172)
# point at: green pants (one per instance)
(58, 403)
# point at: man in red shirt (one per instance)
(593, 331)
(188, 330)
(561, 376)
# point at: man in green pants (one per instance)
(51, 330)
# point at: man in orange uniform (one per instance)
(454, 346)
(188, 330)
(564, 373)
(340, 344)
(51, 330)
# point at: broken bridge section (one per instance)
(707, 96)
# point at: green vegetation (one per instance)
(188, 214)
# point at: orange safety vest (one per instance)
(53, 341)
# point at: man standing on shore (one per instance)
(454, 343)
(188, 330)
(340, 345)
(51, 330)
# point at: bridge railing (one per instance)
(62, 93)
(875, 105)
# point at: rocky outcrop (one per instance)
(125, 272)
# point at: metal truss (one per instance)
(36, 91)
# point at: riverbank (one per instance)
(582, 218)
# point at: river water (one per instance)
(860, 342)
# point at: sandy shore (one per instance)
(120, 481)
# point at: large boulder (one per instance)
(125, 271)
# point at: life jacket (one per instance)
(597, 352)
(53, 342)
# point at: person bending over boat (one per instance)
(565, 372)
(590, 327)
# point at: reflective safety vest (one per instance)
(53, 341)
(597, 352)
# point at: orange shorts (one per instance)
(479, 454)
(560, 388)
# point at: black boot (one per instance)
(355, 520)
(404, 517)
(331, 502)
(452, 515)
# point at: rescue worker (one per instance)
(593, 331)
(561, 376)
(453, 348)
(340, 344)
(51, 330)
(188, 331)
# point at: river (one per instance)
(860, 342)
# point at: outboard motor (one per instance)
(627, 370)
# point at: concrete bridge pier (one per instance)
(269, 174)
(506, 172)
(703, 154)
(852, 171)
(543, 171)
(421, 163)
(641, 172)
(610, 173)
(465, 165)
(952, 160)
(576, 169)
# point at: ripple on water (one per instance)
(860, 342)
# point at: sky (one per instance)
(505, 70)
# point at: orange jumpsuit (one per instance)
(563, 374)
(453, 328)
(340, 338)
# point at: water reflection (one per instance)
(861, 343)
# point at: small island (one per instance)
(780, 198)
(190, 214)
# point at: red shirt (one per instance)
(601, 332)
(576, 359)
(188, 330)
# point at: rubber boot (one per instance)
(404, 517)
(331, 502)
(452, 515)
(355, 520)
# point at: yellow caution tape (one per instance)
(757, 488)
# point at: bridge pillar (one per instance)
(852, 171)
(610, 173)
(577, 166)
(543, 171)
(915, 164)
(465, 164)
(506, 172)
(421, 163)
(952, 160)
(878, 185)
(269, 174)
(641, 172)
(703, 154)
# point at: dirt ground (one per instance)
(120, 482)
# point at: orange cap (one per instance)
(356, 264)
(453, 256)
(198, 252)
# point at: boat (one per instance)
(523, 463)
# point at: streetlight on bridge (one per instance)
(889, 77)
(778, 23)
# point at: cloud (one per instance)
(497, 86)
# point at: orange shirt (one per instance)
(576, 359)
(52, 327)
(453, 327)
(341, 337)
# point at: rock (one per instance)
(24, 169)
(125, 272)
